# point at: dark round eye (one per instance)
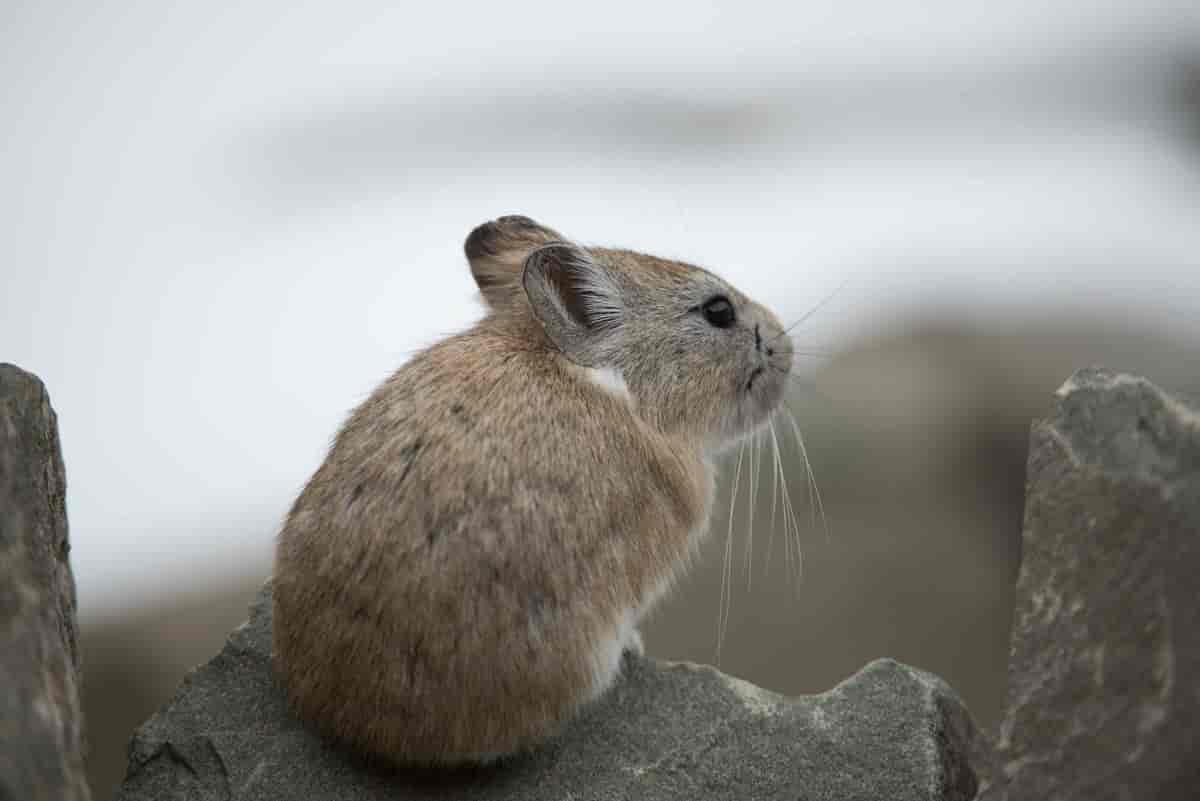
(719, 312)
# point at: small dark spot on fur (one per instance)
(537, 607)
(456, 408)
(410, 453)
(679, 351)
(364, 614)
(434, 526)
(356, 492)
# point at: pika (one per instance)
(467, 566)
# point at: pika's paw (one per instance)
(633, 643)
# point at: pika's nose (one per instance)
(758, 342)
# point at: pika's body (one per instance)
(466, 567)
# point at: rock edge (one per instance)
(41, 720)
(667, 730)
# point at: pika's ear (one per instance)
(497, 251)
(574, 297)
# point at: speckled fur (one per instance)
(463, 571)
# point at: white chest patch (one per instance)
(610, 380)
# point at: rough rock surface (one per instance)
(1104, 676)
(675, 731)
(41, 725)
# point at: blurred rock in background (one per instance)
(1105, 659)
(917, 436)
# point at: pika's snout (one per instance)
(771, 340)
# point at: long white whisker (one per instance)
(787, 542)
(729, 541)
(790, 527)
(726, 600)
(790, 508)
(762, 446)
(813, 354)
(755, 461)
(815, 490)
(816, 308)
(774, 493)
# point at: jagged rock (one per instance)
(1104, 676)
(41, 724)
(676, 731)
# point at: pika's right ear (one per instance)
(497, 251)
(574, 298)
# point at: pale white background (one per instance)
(221, 226)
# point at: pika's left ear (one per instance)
(497, 251)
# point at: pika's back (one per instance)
(483, 419)
(489, 499)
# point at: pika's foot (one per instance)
(633, 643)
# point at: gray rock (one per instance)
(1104, 676)
(41, 724)
(666, 730)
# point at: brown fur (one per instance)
(452, 583)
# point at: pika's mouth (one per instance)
(755, 373)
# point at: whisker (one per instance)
(790, 508)
(755, 473)
(814, 309)
(789, 514)
(790, 376)
(802, 381)
(726, 600)
(774, 494)
(812, 478)
(762, 446)
(796, 377)
(816, 354)
(749, 517)
(787, 537)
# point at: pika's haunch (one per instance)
(467, 566)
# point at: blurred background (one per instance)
(223, 225)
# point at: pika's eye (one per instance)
(718, 311)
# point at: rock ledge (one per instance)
(677, 731)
